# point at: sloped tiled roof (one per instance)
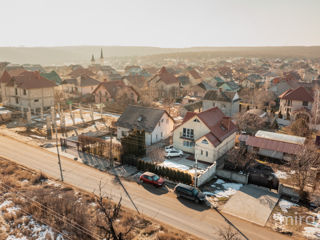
(298, 94)
(218, 95)
(30, 80)
(165, 76)
(220, 126)
(113, 87)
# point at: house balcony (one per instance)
(187, 137)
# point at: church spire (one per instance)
(92, 60)
(101, 58)
(101, 55)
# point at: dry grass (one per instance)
(36, 196)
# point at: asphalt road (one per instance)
(159, 204)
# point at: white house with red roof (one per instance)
(295, 103)
(208, 134)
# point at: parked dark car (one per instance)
(189, 192)
(152, 178)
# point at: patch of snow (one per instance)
(5, 203)
(226, 189)
(278, 217)
(12, 209)
(311, 232)
(285, 205)
(171, 164)
(280, 174)
(209, 194)
(219, 181)
(50, 182)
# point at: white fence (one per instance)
(207, 175)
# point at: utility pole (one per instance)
(59, 160)
(110, 148)
(195, 172)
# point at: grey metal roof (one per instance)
(138, 117)
(280, 137)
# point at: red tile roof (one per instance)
(166, 77)
(220, 126)
(30, 80)
(298, 94)
(113, 87)
(194, 74)
(273, 145)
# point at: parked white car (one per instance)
(169, 148)
(174, 153)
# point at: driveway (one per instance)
(252, 203)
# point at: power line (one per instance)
(54, 213)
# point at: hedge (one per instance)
(171, 174)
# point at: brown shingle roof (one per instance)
(29, 80)
(298, 94)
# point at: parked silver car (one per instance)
(174, 153)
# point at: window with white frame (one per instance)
(204, 141)
(187, 132)
(188, 144)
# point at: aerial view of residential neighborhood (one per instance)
(159, 120)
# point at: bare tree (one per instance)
(240, 159)
(156, 154)
(107, 217)
(228, 233)
(307, 158)
(300, 128)
(250, 123)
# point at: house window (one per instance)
(162, 120)
(16, 91)
(201, 152)
(196, 120)
(17, 100)
(159, 124)
(187, 133)
(123, 133)
(204, 141)
(289, 103)
(24, 91)
(36, 100)
(305, 104)
(161, 135)
(188, 144)
(207, 153)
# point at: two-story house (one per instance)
(208, 134)
(227, 102)
(114, 90)
(80, 86)
(296, 103)
(28, 90)
(164, 84)
(156, 123)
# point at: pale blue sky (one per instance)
(162, 23)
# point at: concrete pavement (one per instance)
(155, 203)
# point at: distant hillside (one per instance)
(82, 54)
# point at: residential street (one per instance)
(155, 203)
